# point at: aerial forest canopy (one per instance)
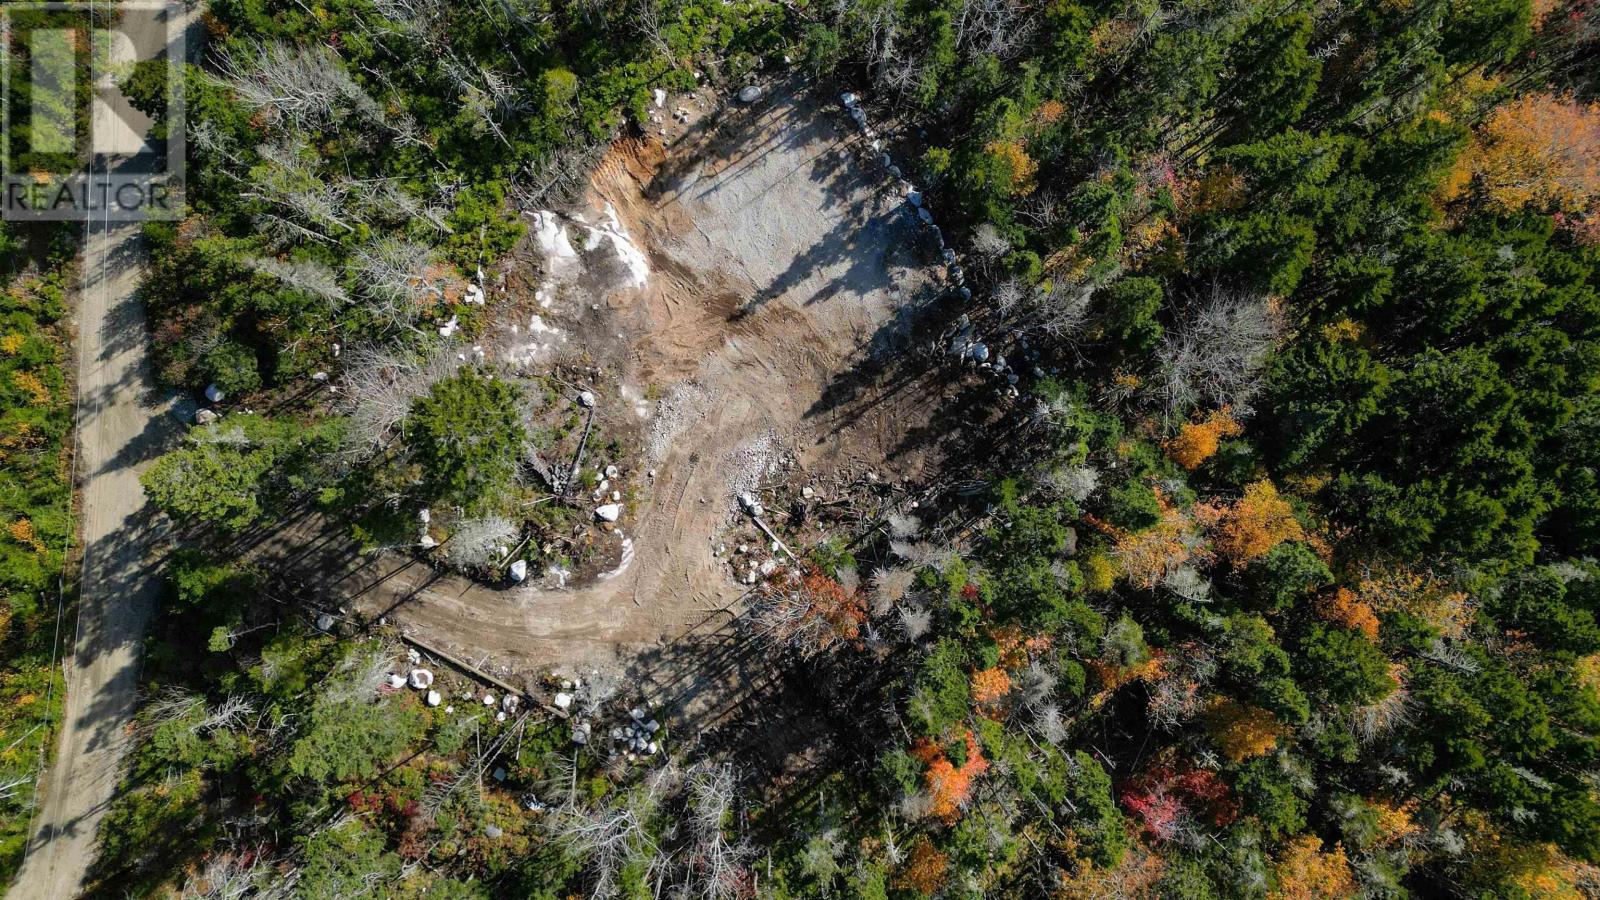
(1279, 576)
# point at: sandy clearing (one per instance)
(779, 264)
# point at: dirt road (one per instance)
(120, 428)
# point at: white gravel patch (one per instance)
(684, 405)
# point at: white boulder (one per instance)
(609, 512)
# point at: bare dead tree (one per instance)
(903, 526)
(173, 704)
(361, 674)
(305, 276)
(997, 28)
(235, 710)
(804, 615)
(467, 781)
(397, 278)
(1187, 583)
(388, 200)
(650, 25)
(1077, 483)
(300, 201)
(889, 587)
(555, 180)
(611, 835)
(490, 97)
(379, 386)
(242, 873)
(915, 621)
(1216, 354)
(306, 86)
(1375, 720)
(422, 21)
(715, 868)
(1062, 312)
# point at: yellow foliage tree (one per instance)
(1344, 331)
(1531, 869)
(1420, 594)
(1587, 671)
(1395, 823)
(1021, 167)
(30, 382)
(1241, 731)
(11, 344)
(1250, 527)
(1197, 442)
(1145, 557)
(1306, 873)
(1137, 876)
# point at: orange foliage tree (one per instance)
(1251, 526)
(990, 686)
(1343, 607)
(949, 785)
(1395, 823)
(926, 867)
(1537, 150)
(1197, 442)
(1137, 875)
(1240, 730)
(809, 613)
(22, 532)
(1306, 873)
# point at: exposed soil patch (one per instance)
(784, 281)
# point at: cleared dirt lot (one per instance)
(784, 272)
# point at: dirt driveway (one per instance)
(121, 428)
(782, 267)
